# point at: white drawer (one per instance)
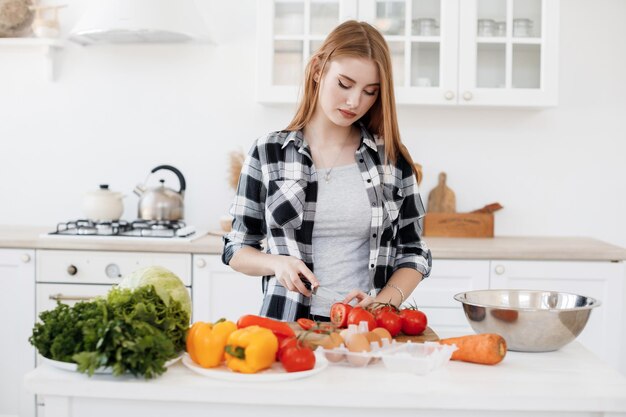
(97, 267)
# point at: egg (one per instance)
(383, 333)
(332, 342)
(334, 356)
(374, 337)
(345, 334)
(358, 343)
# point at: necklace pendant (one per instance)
(327, 178)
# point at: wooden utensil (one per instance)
(489, 208)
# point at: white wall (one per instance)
(116, 112)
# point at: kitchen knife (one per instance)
(326, 294)
(321, 292)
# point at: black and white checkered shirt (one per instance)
(276, 200)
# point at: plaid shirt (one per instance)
(276, 200)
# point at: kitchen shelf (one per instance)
(50, 47)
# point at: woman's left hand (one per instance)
(363, 298)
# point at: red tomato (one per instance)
(284, 344)
(389, 320)
(339, 314)
(359, 314)
(413, 322)
(296, 359)
(306, 324)
(385, 308)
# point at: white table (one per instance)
(571, 382)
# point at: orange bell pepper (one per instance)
(206, 342)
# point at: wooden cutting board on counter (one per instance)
(429, 335)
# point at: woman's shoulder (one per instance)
(277, 137)
(270, 143)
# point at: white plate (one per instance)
(70, 366)
(275, 373)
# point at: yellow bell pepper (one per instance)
(251, 349)
(206, 342)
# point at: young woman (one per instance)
(335, 193)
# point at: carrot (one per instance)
(486, 348)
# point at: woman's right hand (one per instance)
(290, 271)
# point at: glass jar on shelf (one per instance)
(500, 29)
(486, 27)
(425, 27)
(522, 27)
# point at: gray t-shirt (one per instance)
(343, 220)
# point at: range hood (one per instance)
(140, 21)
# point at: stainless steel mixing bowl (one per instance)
(529, 321)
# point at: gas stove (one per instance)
(174, 230)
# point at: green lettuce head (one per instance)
(167, 285)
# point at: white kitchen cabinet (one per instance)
(17, 316)
(601, 280)
(287, 33)
(219, 291)
(604, 333)
(517, 67)
(442, 50)
(434, 295)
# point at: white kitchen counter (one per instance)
(569, 382)
(521, 248)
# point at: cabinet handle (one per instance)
(449, 95)
(499, 269)
(63, 297)
(72, 270)
(200, 263)
(25, 258)
(467, 96)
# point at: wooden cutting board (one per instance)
(441, 199)
(428, 336)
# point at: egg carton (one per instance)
(417, 358)
(342, 356)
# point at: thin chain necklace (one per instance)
(330, 169)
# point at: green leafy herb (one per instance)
(132, 331)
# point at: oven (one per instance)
(73, 276)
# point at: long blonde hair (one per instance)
(359, 40)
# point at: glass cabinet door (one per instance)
(443, 52)
(289, 32)
(422, 36)
(503, 52)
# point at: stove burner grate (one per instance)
(136, 228)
